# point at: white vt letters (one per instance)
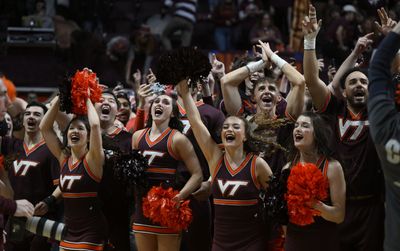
(236, 184)
(152, 154)
(186, 124)
(69, 179)
(23, 166)
(343, 128)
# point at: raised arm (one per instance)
(318, 90)
(348, 63)
(383, 114)
(337, 189)
(295, 98)
(46, 128)
(208, 146)
(185, 151)
(95, 156)
(230, 91)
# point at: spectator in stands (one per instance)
(183, 20)
(342, 33)
(265, 31)
(225, 17)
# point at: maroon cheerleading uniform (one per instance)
(33, 175)
(114, 195)
(162, 170)
(237, 225)
(320, 235)
(86, 224)
(198, 235)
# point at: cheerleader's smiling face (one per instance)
(78, 134)
(233, 132)
(161, 109)
(303, 134)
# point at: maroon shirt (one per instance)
(354, 149)
(34, 172)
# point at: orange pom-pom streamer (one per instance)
(80, 83)
(305, 186)
(159, 207)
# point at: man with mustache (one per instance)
(353, 144)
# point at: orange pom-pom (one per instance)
(159, 207)
(305, 186)
(81, 82)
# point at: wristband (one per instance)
(50, 200)
(309, 44)
(278, 61)
(255, 66)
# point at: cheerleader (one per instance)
(237, 177)
(162, 143)
(311, 137)
(80, 174)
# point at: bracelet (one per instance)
(50, 200)
(309, 44)
(255, 66)
(278, 61)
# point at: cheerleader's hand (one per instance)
(204, 192)
(178, 200)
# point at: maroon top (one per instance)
(236, 192)
(355, 149)
(34, 172)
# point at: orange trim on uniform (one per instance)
(169, 145)
(79, 195)
(328, 99)
(115, 132)
(240, 168)
(253, 171)
(182, 110)
(219, 164)
(140, 137)
(91, 174)
(81, 246)
(29, 151)
(325, 170)
(235, 202)
(287, 115)
(73, 166)
(63, 163)
(56, 182)
(161, 170)
(355, 116)
(158, 139)
(153, 229)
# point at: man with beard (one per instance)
(112, 193)
(354, 147)
(33, 173)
